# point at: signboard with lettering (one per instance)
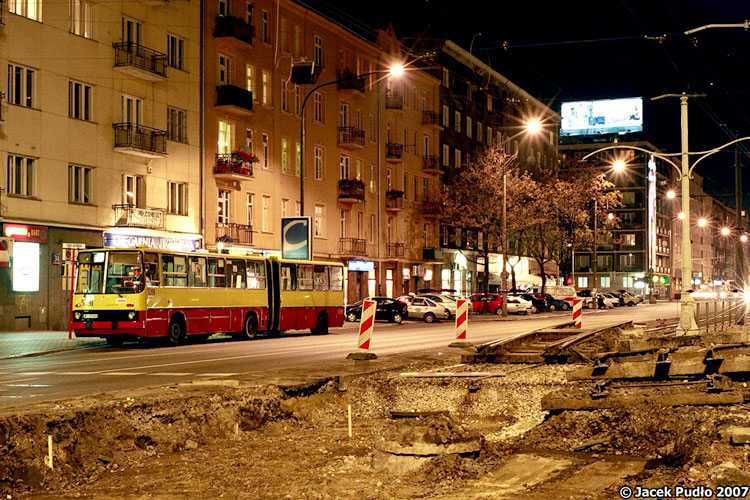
(23, 232)
(296, 238)
(146, 217)
(123, 240)
(361, 266)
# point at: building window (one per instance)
(176, 125)
(446, 116)
(284, 207)
(358, 172)
(284, 100)
(266, 159)
(446, 155)
(342, 232)
(223, 7)
(318, 107)
(284, 156)
(80, 100)
(26, 8)
(284, 37)
(297, 40)
(628, 239)
(133, 192)
(446, 78)
(297, 101)
(426, 235)
(225, 137)
(372, 228)
(177, 198)
(249, 202)
(388, 179)
(457, 163)
(223, 207)
(297, 208)
(372, 127)
(372, 178)
(425, 145)
(318, 52)
(249, 140)
(79, 184)
(265, 27)
(175, 52)
(318, 168)
(344, 167)
(583, 282)
(425, 189)
(249, 78)
(489, 102)
(266, 90)
(21, 175)
(297, 159)
(457, 120)
(469, 128)
(224, 69)
(80, 18)
(266, 214)
(318, 223)
(249, 13)
(480, 132)
(489, 136)
(21, 85)
(605, 281)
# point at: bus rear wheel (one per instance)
(251, 327)
(176, 332)
(321, 326)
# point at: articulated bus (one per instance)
(143, 293)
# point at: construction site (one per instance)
(559, 412)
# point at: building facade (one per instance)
(100, 138)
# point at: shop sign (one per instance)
(428, 275)
(146, 217)
(407, 273)
(22, 232)
(120, 240)
(361, 265)
(56, 259)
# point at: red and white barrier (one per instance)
(366, 326)
(462, 324)
(578, 312)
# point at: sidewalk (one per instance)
(31, 343)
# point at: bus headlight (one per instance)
(77, 315)
(131, 315)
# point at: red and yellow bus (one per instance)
(144, 293)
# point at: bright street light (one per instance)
(743, 238)
(618, 166)
(725, 231)
(681, 215)
(671, 194)
(702, 222)
(396, 70)
(534, 126)
(610, 216)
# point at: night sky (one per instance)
(568, 50)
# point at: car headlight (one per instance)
(77, 315)
(131, 315)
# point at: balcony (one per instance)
(139, 140)
(351, 191)
(432, 118)
(230, 167)
(431, 207)
(233, 28)
(394, 251)
(231, 232)
(132, 216)
(140, 62)
(431, 164)
(432, 255)
(394, 152)
(394, 102)
(394, 201)
(351, 138)
(235, 100)
(352, 246)
(349, 81)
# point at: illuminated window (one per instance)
(225, 137)
(318, 223)
(21, 175)
(266, 214)
(177, 198)
(80, 18)
(318, 163)
(26, 8)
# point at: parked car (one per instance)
(604, 301)
(426, 309)
(539, 303)
(629, 299)
(446, 301)
(519, 305)
(556, 304)
(386, 308)
(486, 302)
(615, 298)
(588, 298)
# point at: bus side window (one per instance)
(174, 270)
(337, 278)
(236, 272)
(197, 272)
(288, 277)
(151, 265)
(321, 277)
(304, 277)
(217, 277)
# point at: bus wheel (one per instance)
(176, 332)
(251, 327)
(114, 340)
(321, 326)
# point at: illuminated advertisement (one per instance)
(609, 116)
(25, 266)
(296, 238)
(124, 240)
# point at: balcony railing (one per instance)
(431, 163)
(352, 246)
(351, 136)
(230, 166)
(431, 118)
(394, 151)
(132, 216)
(395, 250)
(236, 98)
(140, 140)
(227, 26)
(144, 60)
(349, 81)
(431, 207)
(394, 200)
(351, 190)
(394, 102)
(231, 232)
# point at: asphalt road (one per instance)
(95, 367)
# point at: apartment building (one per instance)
(368, 153)
(100, 136)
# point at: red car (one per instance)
(486, 302)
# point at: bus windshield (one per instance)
(123, 272)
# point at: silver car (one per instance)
(444, 301)
(426, 309)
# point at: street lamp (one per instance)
(702, 222)
(725, 231)
(671, 194)
(618, 166)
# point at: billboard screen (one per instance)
(609, 116)
(296, 238)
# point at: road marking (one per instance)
(32, 373)
(77, 373)
(124, 374)
(217, 374)
(171, 374)
(7, 382)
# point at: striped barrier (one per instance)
(366, 325)
(462, 324)
(578, 312)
